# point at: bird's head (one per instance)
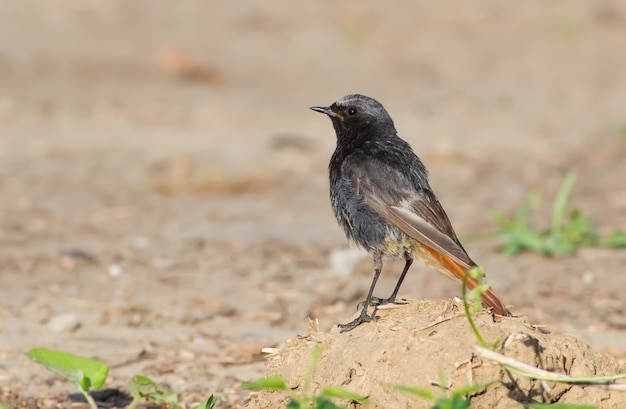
(358, 116)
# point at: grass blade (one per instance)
(421, 392)
(560, 204)
(276, 382)
(208, 404)
(469, 389)
(337, 392)
(323, 403)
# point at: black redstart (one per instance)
(381, 198)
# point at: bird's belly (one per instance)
(364, 227)
(397, 244)
(401, 245)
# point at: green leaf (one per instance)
(563, 247)
(468, 389)
(421, 392)
(143, 387)
(454, 403)
(323, 403)
(294, 404)
(616, 239)
(81, 371)
(276, 382)
(557, 406)
(580, 230)
(209, 403)
(337, 392)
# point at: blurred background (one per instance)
(164, 197)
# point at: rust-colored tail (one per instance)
(489, 298)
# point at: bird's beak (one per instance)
(328, 111)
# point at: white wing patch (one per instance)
(415, 226)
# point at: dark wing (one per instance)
(404, 199)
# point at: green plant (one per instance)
(456, 400)
(473, 296)
(88, 374)
(512, 365)
(141, 387)
(616, 239)
(208, 404)
(566, 234)
(84, 373)
(304, 400)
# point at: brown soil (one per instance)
(425, 342)
(164, 198)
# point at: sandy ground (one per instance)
(164, 200)
(429, 343)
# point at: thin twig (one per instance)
(439, 321)
(606, 382)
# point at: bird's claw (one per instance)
(363, 317)
(377, 302)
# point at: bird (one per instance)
(381, 197)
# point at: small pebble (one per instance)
(588, 277)
(115, 270)
(63, 322)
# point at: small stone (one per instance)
(63, 322)
(115, 270)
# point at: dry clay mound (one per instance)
(416, 343)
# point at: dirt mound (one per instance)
(418, 343)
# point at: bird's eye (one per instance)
(351, 111)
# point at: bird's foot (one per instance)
(363, 317)
(377, 302)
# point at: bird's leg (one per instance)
(392, 298)
(364, 317)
